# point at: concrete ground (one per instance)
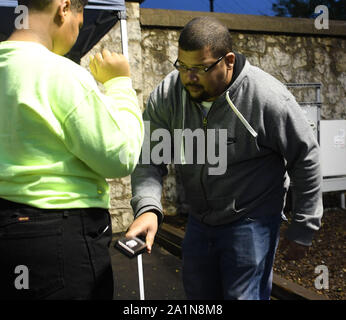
(161, 273)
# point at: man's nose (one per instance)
(192, 76)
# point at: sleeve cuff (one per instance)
(300, 235)
(153, 209)
(123, 82)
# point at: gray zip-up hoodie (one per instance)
(264, 137)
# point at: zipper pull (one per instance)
(205, 123)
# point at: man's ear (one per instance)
(230, 60)
(63, 9)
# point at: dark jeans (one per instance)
(55, 254)
(233, 261)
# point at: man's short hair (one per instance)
(3, 37)
(204, 32)
(40, 5)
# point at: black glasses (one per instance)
(196, 70)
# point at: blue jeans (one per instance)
(233, 261)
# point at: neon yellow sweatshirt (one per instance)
(60, 137)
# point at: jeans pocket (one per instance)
(31, 265)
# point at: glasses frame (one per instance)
(197, 70)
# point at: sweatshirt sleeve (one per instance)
(106, 131)
(296, 142)
(147, 178)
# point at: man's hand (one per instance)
(106, 65)
(146, 224)
(294, 251)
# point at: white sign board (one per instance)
(333, 147)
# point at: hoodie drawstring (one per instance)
(182, 149)
(240, 116)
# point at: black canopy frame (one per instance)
(99, 17)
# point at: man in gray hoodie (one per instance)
(252, 139)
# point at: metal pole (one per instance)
(123, 30)
(318, 100)
(211, 5)
(342, 200)
(125, 49)
(140, 277)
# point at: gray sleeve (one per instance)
(146, 183)
(296, 142)
(147, 178)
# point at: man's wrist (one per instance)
(158, 214)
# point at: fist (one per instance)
(106, 65)
(294, 251)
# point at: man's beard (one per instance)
(203, 96)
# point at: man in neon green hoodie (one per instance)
(60, 138)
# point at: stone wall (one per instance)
(292, 57)
(291, 50)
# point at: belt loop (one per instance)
(65, 214)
